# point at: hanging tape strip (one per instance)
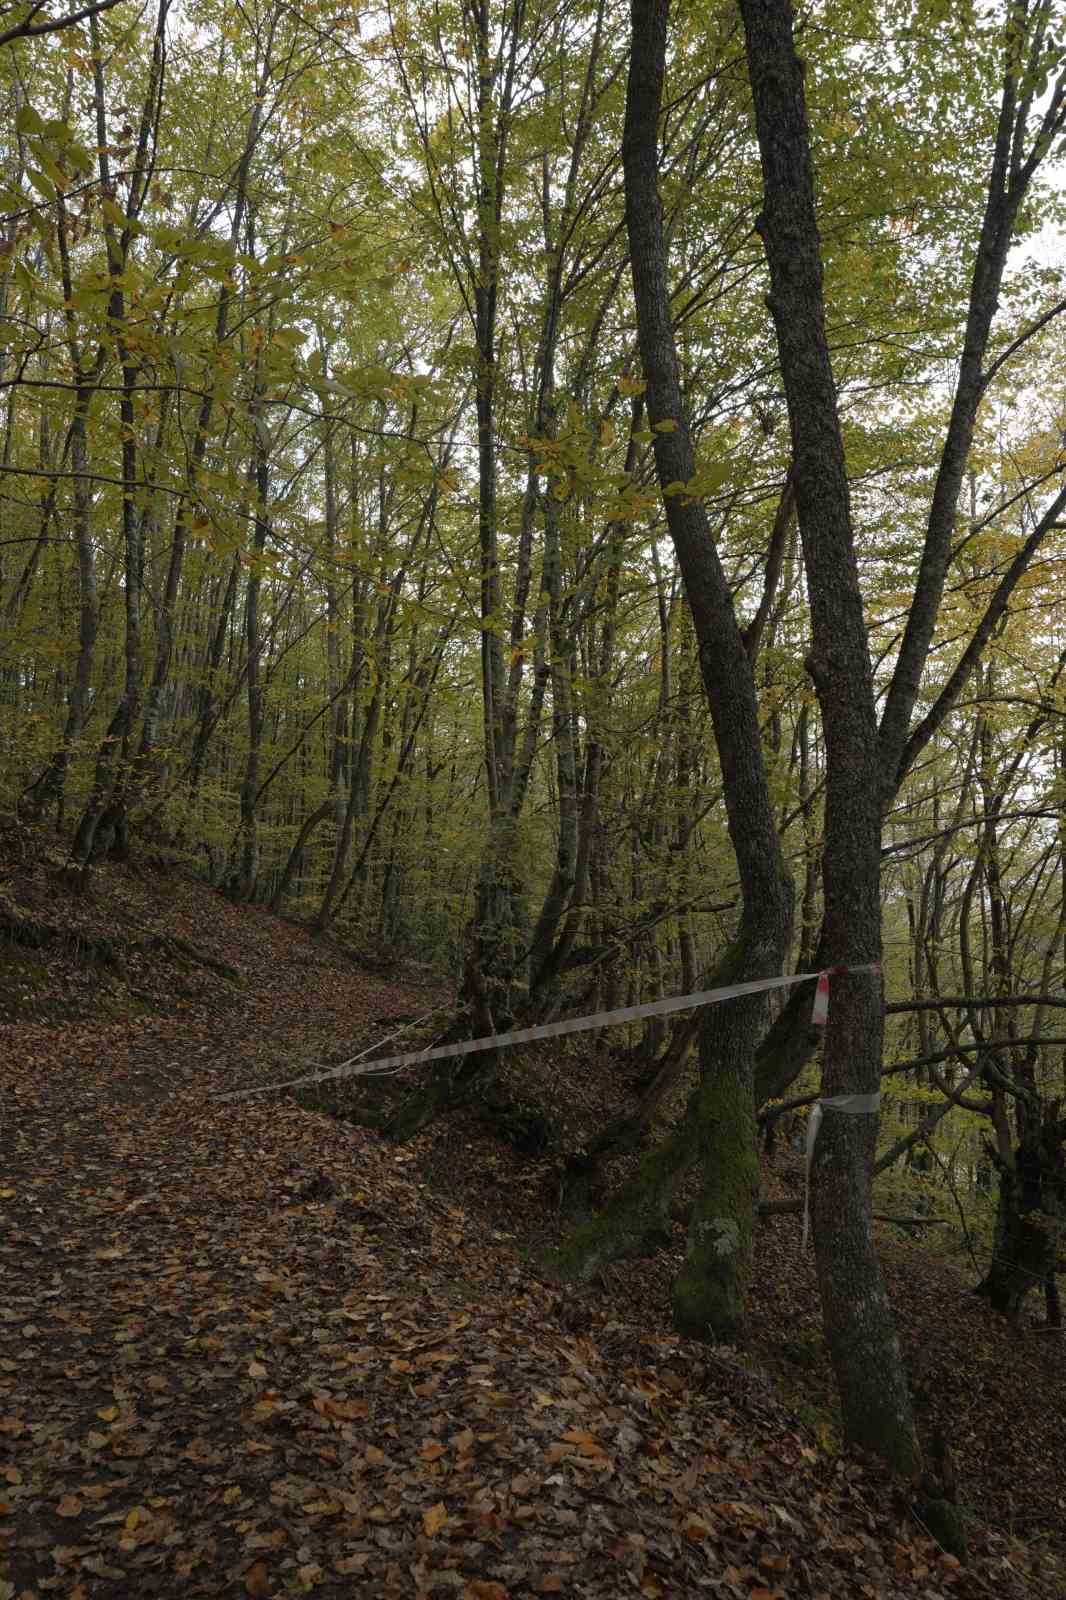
(853, 1105)
(358, 1068)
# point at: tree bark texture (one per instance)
(709, 1293)
(858, 1320)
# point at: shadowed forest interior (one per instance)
(553, 506)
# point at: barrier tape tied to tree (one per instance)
(359, 1067)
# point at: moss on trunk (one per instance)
(637, 1221)
(709, 1292)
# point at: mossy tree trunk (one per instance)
(637, 1221)
(719, 1128)
(710, 1290)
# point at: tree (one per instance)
(857, 1317)
(382, 542)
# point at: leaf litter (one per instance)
(247, 1350)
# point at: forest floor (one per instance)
(250, 1349)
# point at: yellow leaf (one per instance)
(108, 1414)
(434, 1519)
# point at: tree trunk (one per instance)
(49, 787)
(1030, 1220)
(246, 866)
(720, 1127)
(858, 1320)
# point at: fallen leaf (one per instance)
(257, 1580)
(585, 1442)
(434, 1519)
(69, 1506)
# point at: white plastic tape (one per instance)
(358, 1068)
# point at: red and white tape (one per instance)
(357, 1067)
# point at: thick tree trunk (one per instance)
(720, 1126)
(858, 1320)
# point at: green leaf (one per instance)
(28, 120)
(42, 184)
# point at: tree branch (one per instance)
(28, 29)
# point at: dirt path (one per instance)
(246, 1351)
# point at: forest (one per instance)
(567, 498)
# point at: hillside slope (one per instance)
(248, 1350)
